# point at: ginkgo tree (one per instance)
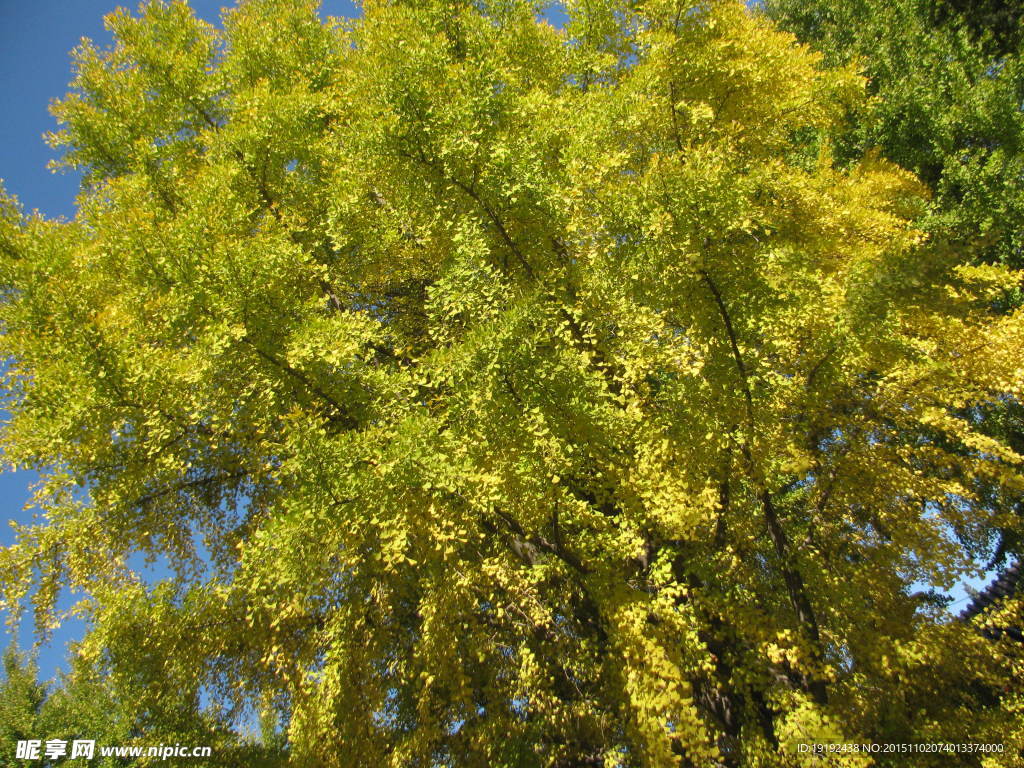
(947, 83)
(503, 395)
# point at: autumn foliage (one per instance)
(505, 395)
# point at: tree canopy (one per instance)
(503, 395)
(82, 707)
(947, 84)
(82, 704)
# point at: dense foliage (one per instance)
(504, 396)
(947, 84)
(82, 707)
(82, 704)
(946, 81)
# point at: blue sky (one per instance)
(36, 39)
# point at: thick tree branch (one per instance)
(539, 542)
(795, 587)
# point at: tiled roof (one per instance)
(1008, 582)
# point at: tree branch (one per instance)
(794, 582)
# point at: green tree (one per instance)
(21, 697)
(82, 704)
(994, 22)
(77, 706)
(946, 81)
(536, 397)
